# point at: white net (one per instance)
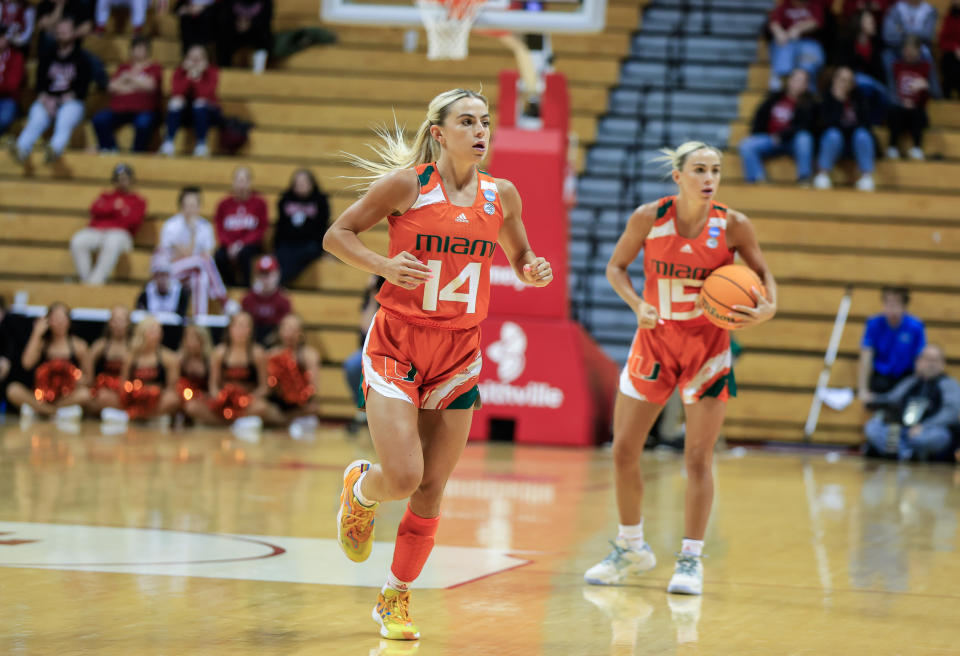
(448, 26)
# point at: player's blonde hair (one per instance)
(676, 158)
(396, 154)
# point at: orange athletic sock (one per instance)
(414, 542)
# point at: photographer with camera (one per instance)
(918, 413)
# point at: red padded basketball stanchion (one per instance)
(542, 376)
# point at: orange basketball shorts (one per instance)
(695, 359)
(432, 368)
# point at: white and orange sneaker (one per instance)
(355, 520)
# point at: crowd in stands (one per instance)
(835, 77)
(66, 70)
(903, 379)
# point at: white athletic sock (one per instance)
(394, 583)
(364, 501)
(632, 534)
(692, 547)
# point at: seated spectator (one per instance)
(906, 19)
(103, 366)
(353, 365)
(862, 52)
(198, 19)
(49, 13)
(51, 352)
(187, 241)
(18, 19)
(193, 94)
(892, 341)
(266, 301)
(912, 76)
(950, 51)
(63, 79)
(5, 364)
(303, 212)
(135, 96)
(163, 293)
(917, 414)
(795, 25)
(11, 78)
(851, 9)
(782, 125)
(845, 122)
(245, 24)
(241, 221)
(138, 13)
(115, 217)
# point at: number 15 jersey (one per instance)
(457, 243)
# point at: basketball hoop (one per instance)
(448, 24)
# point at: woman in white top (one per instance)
(188, 241)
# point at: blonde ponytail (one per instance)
(675, 159)
(395, 154)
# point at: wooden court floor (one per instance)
(158, 542)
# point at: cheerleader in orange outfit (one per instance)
(421, 358)
(293, 372)
(684, 238)
(193, 386)
(238, 377)
(103, 364)
(150, 375)
(53, 356)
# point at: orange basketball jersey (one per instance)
(457, 243)
(675, 267)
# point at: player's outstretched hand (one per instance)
(647, 316)
(406, 271)
(748, 316)
(538, 273)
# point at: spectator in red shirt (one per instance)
(135, 96)
(266, 301)
(241, 221)
(911, 75)
(194, 91)
(245, 24)
(795, 25)
(11, 78)
(115, 217)
(950, 49)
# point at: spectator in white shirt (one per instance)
(188, 240)
(163, 293)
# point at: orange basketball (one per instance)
(728, 286)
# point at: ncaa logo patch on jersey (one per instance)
(489, 208)
(714, 231)
(712, 243)
(490, 195)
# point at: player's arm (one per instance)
(526, 265)
(214, 375)
(395, 193)
(864, 367)
(311, 361)
(624, 253)
(742, 237)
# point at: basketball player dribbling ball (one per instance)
(684, 238)
(421, 358)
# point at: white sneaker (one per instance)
(27, 415)
(621, 564)
(915, 154)
(865, 183)
(114, 416)
(247, 429)
(687, 575)
(822, 181)
(167, 148)
(259, 61)
(303, 427)
(201, 150)
(69, 413)
(893, 152)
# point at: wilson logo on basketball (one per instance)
(510, 354)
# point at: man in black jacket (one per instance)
(918, 412)
(63, 77)
(845, 126)
(782, 125)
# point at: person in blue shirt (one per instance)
(891, 344)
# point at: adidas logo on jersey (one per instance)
(462, 218)
(686, 249)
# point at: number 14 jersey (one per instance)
(457, 243)
(675, 267)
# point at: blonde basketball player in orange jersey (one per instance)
(421, 359)
(684, 238)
